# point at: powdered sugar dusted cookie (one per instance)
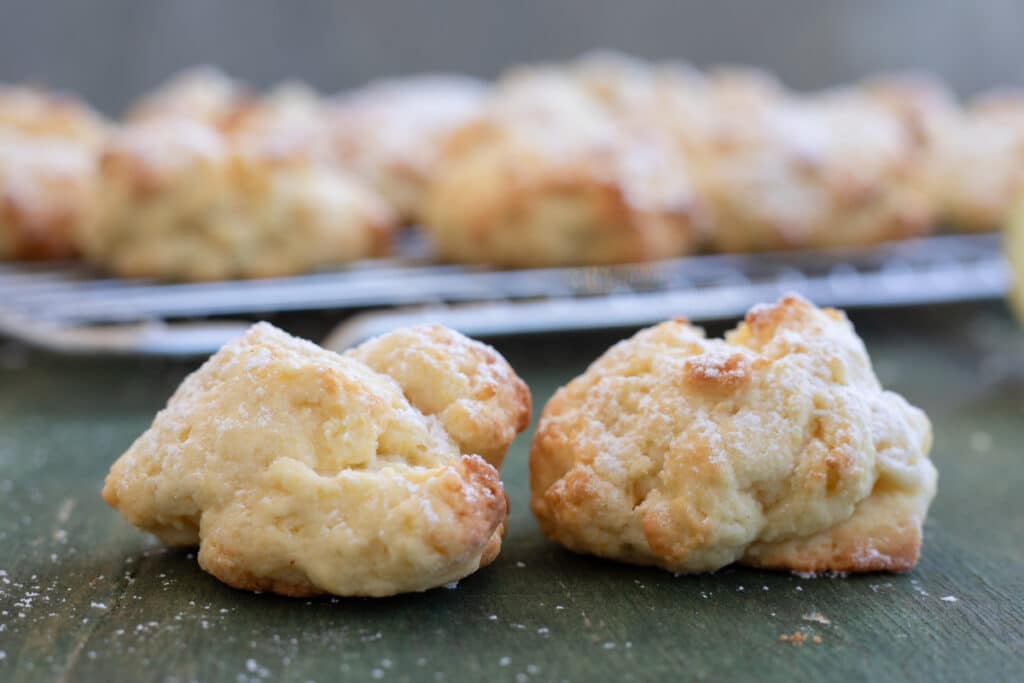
(301, 471)
(48, 144)
(179, 199)
(979, 162)
(547, 177)
(776, 447)
(391, 132)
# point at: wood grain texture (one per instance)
(83, 596)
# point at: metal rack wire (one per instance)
(71, 308)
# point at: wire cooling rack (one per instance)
(70, 308)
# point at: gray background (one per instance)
(110, 50)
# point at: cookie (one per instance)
(548, 178)
(48, 144)
(825, 172)
(179, 199)
(776, 447)
(980, 162)
(204, 93)
(923, 103)
(300, 471)
(391, 132)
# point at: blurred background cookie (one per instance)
(47, 166)
(181, 200)
(203, 92)
(980, 162)
(546, 177)
(813, 172)
(391, 132)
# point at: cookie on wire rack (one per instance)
(48, 144)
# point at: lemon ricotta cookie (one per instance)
(548, 178)
(300, 471)
(48, 145)
(802, 172)
(179, 199)
(647, 93)
(392, 132)
(980, 162)
(923, 103)
(203, 92)
(775, 447)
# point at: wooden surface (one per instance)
(83, 596)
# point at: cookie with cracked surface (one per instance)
(301, 471)
(776, 447)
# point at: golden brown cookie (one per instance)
(775, 447)
(48, 144)
(300, 471)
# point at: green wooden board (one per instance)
(83, 596)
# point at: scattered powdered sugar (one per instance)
(817, 617)
(254, 667)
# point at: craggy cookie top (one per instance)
(776, 447)
(301, 471)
